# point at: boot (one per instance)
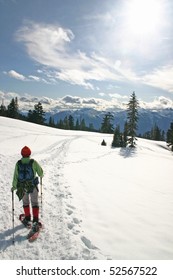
(27, 219)
(35, 227)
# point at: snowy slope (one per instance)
(98, 202)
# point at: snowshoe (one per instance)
(34, 232)
(25, 221)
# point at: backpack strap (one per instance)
(30, 162)
(19, 162)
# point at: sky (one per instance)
(90, 49)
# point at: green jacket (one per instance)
(36, 168)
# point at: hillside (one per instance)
(98, 202)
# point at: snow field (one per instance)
(98, 202)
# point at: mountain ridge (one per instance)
(147, 118)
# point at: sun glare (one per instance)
(143, 16)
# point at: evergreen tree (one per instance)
(71, 122)
(60, 124)
(169, 138)
(156, 133)
(30, 116)
(117, 138)
(3, 110)
(51, 122)
(147, 135)
(91, 127)
(66, 123)
(107, 126)
(12, 109)
(132, 117)
(125, 134)
(82, 125)
(103, 143)
(37, 115)
(77, 125)
(163, 135)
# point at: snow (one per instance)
(98, 202)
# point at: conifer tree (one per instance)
(77, 125)
(12, 109)
(37, 115)
(3, 110)
(107, 126)
(169, 139)
(156, 133)
(51, 122)
(66, 123)
(103, 143)
(132, 117)
(91, 127)
(83, 125)
(60, 124)
(71, 122)
(125, 134)
(117, 138)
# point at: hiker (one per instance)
(26, 183)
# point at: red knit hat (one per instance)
(25, 152)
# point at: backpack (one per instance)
(26, 181)
(25, 171)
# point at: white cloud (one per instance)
(74, 76)
(102, 94)
(30, 78)
(71, 99)
(46, 43)
(161, 78)
(35, 78)
(53, 46)
(16, 75)
(160, 102)
(27, 102)
(118, 96)
(7, 96)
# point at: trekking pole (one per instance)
(13, 214)
(41, 188)
(41, 185)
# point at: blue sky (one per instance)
(94, 48)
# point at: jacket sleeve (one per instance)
(15, 176)
(37, 169)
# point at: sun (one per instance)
(143, 16)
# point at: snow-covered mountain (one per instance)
(147, 118)
(159, 112)
(98, 202)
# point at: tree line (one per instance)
(129, 133)
(37, 115)
(120, 138)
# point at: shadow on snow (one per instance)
(5, 243)
(128, 152)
